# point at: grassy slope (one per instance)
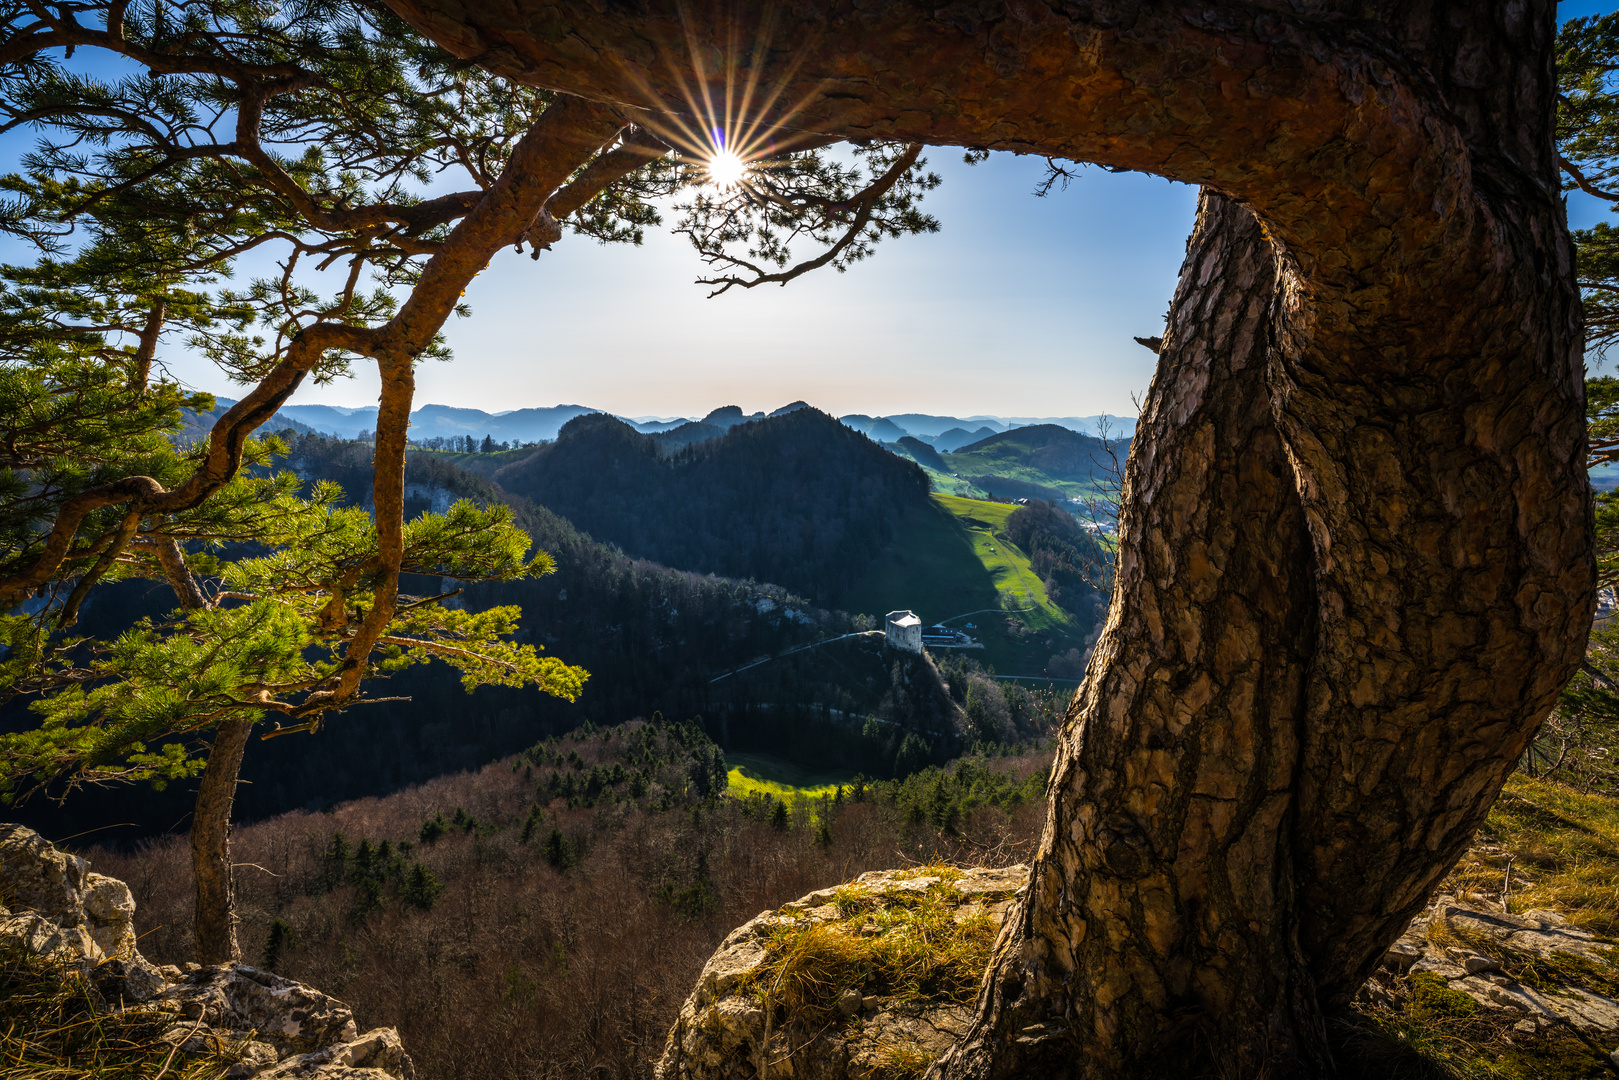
(481, 464)
(949, 559)
(953, 485)
(986, 464)
(1564, 844)
(1001, 460)
(761, 772)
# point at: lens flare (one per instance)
(726, 169)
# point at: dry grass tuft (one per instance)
(901, 1061)
(1564, 848)
(1386, 1043)
(54, 1026)
(903, 948)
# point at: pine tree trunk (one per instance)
(214, 925)
(1355, 548)
(215, 929)
(1160, 923)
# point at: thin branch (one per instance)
(867, 201)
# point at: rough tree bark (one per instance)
(214, 929)
(214, 910)
(1355, 551)
(1163, 877)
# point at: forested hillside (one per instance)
(546, 916)
(651, 638)
(797, 499)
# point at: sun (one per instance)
(726, 169)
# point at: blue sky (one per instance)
(1018, 306)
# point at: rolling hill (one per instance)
(1041, 461)
(951, 557)
(1053, 450)
(796, 499)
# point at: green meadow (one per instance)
(750, 773)
(950, 558)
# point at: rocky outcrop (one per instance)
(735, 1025)
(274, 1028)
(57, 904)
(1534, 971)
(1535, 963)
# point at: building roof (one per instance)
(904, 618)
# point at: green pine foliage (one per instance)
(323, 135)
(559, 850)
(535, 819)
(1575, 740)
(1588, 147)
(278, 941)
(433, 829)
(422, 888)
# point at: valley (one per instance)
(675, 564)
(411, 740)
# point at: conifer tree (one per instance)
(1355, 551)
(309, 130)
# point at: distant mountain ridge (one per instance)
(541, 424)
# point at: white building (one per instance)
(903, 631)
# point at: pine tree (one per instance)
(422, 888)
(433, 829)
(278, 941)
(559, 851)
(336, 862)
(536, 817)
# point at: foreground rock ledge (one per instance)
(1535, 964)
(724, 1033)
(278, 1029)
(1467, 945)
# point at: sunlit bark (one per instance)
(1355, 561)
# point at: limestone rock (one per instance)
(110, 915)
(128, 980)
(292, 1017)
(722, 1029)
(275, 1028)
(1481, 974)
(376, 1055)
(93, 915)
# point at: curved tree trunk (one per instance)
(1160, 923)
(1355, 549)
